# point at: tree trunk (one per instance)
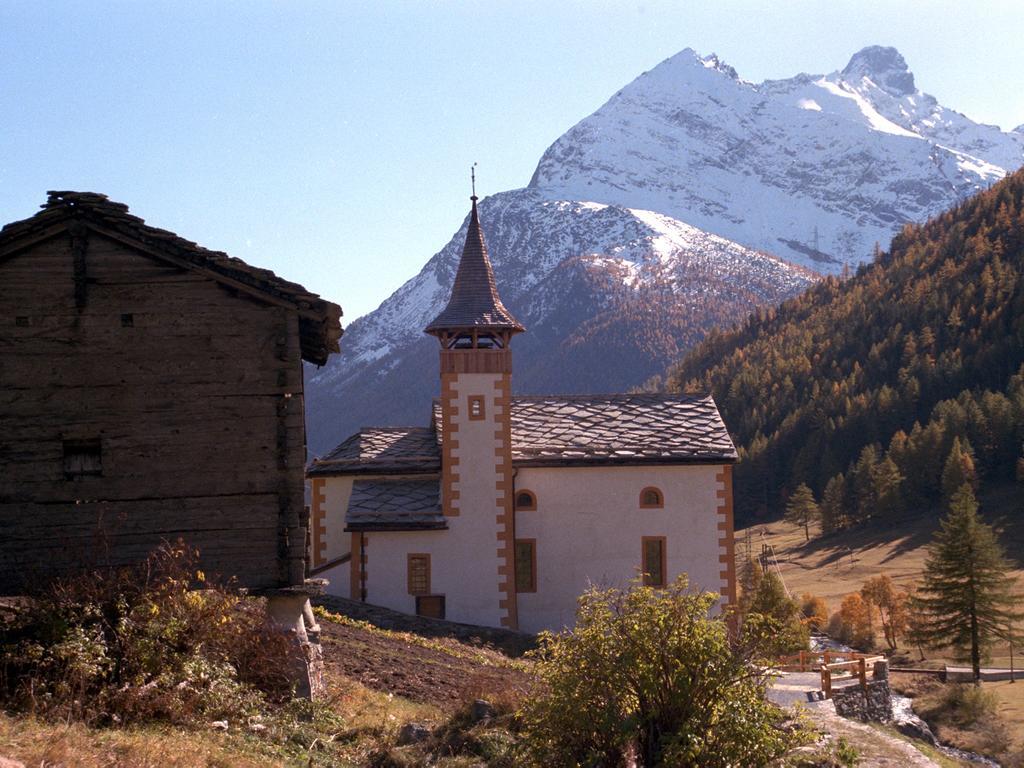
(975, 646)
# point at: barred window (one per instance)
(525, 501)
(419, 574)
(651, 498)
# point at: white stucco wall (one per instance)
(588, 525)
(336, 494)
(467, 557)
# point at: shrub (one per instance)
(771, 621)
(142, 643)
(648, 672)
(851, 624)
(814, 610)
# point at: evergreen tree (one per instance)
(802, 509)
(772, 620)
(966, 594)
(833, 505)
(886, 480)
(862, 480)
(958, 470)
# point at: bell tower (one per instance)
(475, 331)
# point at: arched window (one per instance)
(651, 498)
(525, 501)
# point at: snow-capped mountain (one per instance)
(609, 296)
(650, 221)
(816, 168)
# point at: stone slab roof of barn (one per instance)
(559, 430)
(319, 320)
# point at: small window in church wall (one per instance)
(419, 574)
(651, 498)
(476, 407)
(653, 552)
(526, 565)
(526, 501)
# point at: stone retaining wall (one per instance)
(873, 704)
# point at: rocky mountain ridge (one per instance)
(651, 221)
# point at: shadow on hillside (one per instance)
(1001, 506)
(911, 532)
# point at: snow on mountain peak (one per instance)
(815, 168)
(650, 221)
(885, 66)
(713, 62)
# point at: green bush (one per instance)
(648, 673)
(155, 642)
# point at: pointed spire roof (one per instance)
(474, 302)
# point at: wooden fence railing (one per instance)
(828, 663)
(811, 661)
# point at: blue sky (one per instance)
(331, 141)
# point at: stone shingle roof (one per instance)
(382, 450)
(563, 430)
(474, 302)
(394, 505)
(618, 429)
(319, 320)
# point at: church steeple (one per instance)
(475, 309)
(475, 429)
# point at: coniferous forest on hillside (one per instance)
(871, 389)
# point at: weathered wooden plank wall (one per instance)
(197, 401)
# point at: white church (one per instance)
(505, 509)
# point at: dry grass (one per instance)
(366, 722)
(1010, 708)
(834, 566)
(37, 743)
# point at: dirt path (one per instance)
(440, 671)
(876, 748)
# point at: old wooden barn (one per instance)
(150, 389)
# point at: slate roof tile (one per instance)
(383, 450)
(559, 430)
(380, 504)
(474, 302)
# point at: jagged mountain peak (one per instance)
(651, 219)
(814, 168)
(885, 66)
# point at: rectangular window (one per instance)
(476, 407)
(419, 574)
(21, 321)
(83, 457)
(127, 320)
(654, 560)
(430, 606)
(526, 565)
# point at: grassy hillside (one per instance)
(837, 564)
(924, 345)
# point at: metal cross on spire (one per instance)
(472, 179)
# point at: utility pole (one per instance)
(1009, 632)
